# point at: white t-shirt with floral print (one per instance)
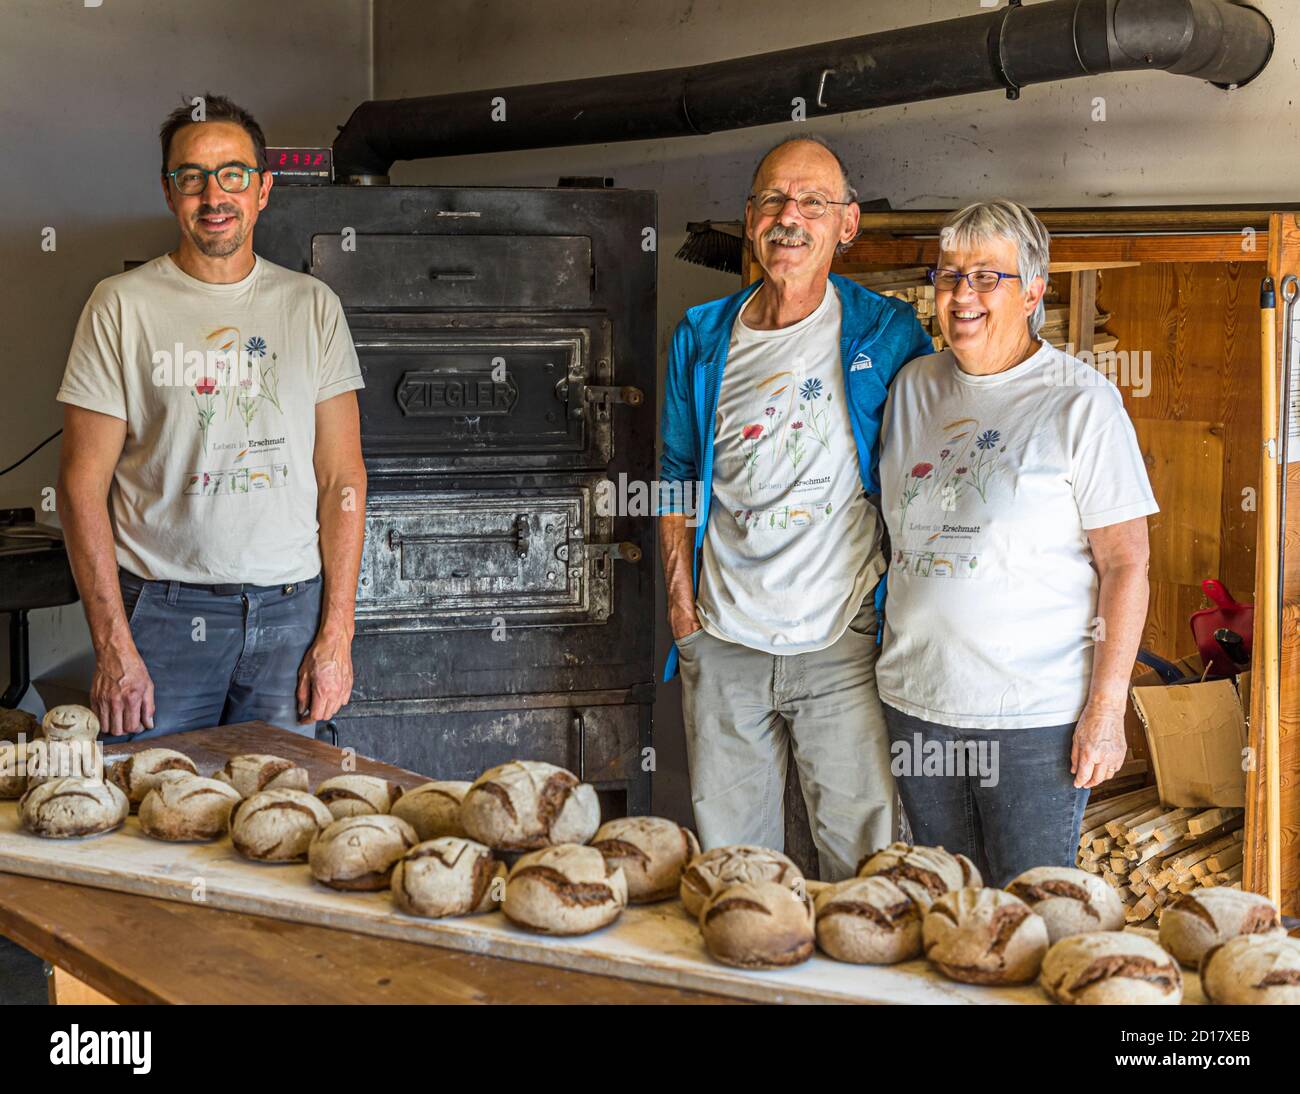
(793, 544)
(990, 485)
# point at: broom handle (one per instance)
(1266, 601)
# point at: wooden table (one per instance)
(136, 949)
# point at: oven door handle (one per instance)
(517, 537)
(452, 275)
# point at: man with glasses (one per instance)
(771, 411)
(211, 485)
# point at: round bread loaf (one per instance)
(255, 771)
(715, 870)
(136, 775)
(758, 925)
(183, 807)
(652, 852)
(984, 936)
(868, 921)
(70, 723)
(18, 725)
(358, 853)
(566, 889)
(526, 804)
(446, 876)
(433, 809)
(13, 768)
(1070, 901)
(923, 873)
(68, 807)
(358, 795)
(47, 760)
(277, 825)
(1193, 922)
(1253, 969)
(1110, 967)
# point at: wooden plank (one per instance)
(1148, 218)
(1094, 252)
(1083, 311)
(1211, 818)
(66, 990)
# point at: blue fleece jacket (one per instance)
(878, 335)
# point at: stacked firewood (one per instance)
(1150, 853)
(910, 284)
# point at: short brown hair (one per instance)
(216, 108)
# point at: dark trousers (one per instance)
(1005, 798)
(221, 658)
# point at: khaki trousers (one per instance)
(745, 710)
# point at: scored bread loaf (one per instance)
(433, 809)
(984, 936)
(923, 873)
(652, 852)
(1193, 922)
(254, 771)
(1070, 901)
(868, 921)
(277, 825)
(758, 925)
(138, 773)
(70, 722)
(566, 889)
(1110, 967)
(715, 870)
(526, 804)
(1253, 969)
(357, 795)
(68, 807)
(448, 876)
(183, 807)
(46, 760)
(358, 853)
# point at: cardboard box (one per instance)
(1196, 736)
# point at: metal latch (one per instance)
(517, 537)
(605, 397)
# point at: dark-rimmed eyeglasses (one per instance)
(191, 179)
(979, 280)
(811, 204)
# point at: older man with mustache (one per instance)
(771, 412)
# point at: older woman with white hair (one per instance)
(1016, 499)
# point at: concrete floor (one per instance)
(22, 975)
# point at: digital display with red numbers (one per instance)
(301, 164)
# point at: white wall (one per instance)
(83, 91)
(1167, 139)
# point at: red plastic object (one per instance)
(1225, 613)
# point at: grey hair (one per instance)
(982, 221)
(850, 194)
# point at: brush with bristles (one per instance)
(717, 244)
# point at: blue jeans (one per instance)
(1014, 807)
(221, 658)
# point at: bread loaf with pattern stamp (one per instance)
(566, 889)
(923, 873)
(1110, 967)
(984, 936)
(433, 809)
(253, 771)
(357, 795)
(653, 852)
(1193, 922)
(1253, 970)
(70, 722)
(70, 807)
(1070, 901)
(277, 825)
(868, 921)
(448, 876)
(358, 853)
(723, 866)
(526, 804)
(758, 925)
(184, 807)
(138, 773)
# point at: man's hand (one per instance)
(683, 622)
(1099, 745)
(121, 692)
(325, 676)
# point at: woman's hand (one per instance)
(1099, 745)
